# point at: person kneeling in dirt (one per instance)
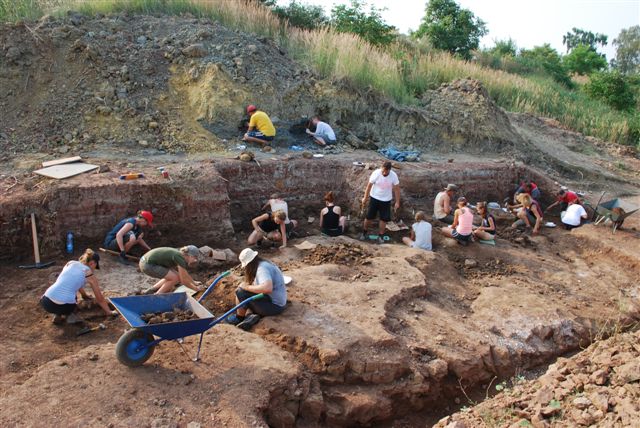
(61, 298)
(531, 213)
(272, 227)
(382, 187)
(573, 216)
(462, 228)
(128, 233)
(276, 203)
(260, 276)
(420, 233)
(487, 229)
(261, 130)
(332, 222)
(321, 132)
(170, 266)
(564, 198)
(442, 209)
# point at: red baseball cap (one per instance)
(147, 216)
(251, 108)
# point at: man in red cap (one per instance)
(128, 233)
(261, 130)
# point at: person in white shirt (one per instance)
(382, 187)
(276, 203)
(420, 233)
(573, 216)
(323, 134)
(61, 298)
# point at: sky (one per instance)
(529, 22)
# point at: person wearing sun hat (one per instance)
(261, 129)
(61, 298)
(170, 266)
(128, 233)
(260, 276)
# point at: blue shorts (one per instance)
(326, 139)
(259, 135)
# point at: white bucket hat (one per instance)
(246, 256)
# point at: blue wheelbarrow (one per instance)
(136, 346)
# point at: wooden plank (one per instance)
(61, 161)
(65, 171)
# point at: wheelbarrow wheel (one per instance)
(131, 350)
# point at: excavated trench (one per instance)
(391, 333)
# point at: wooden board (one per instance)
(61, 161)
(67, 170)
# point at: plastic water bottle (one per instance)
(69, 242)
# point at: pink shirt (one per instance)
(465, 222)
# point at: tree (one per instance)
(301, 15)
(505, 47)
(371, 27)
(584, 61)
(577, 37)
(451, 28)
(546, 59)
(628, 51)
(613, 88)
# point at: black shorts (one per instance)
(263, 307)
(270, 226)
(376, 206)
(54, 308)
(333, 232)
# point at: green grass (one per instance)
(402, 72)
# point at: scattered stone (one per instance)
(470, 263)
(93, 357)
(599, 377)
(196, 50)
(581, 403)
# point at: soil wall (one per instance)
(211, 202)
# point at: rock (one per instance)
(438, 368)
(194, 425)
(63, 149)
(599, 377)
(581, 402)
(93, 357)
(196, 50)
(550, 411)
(153, 125)
(13, 54)
(470, 263)
(141, 40)
(629, 372)
(163, 423)
(143, 143)
(544, 395)
(457, 424)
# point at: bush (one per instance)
(304, 16)
(613, 88)
(583, 60)
(371, 27)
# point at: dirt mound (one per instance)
(342, 254)
(596, 387)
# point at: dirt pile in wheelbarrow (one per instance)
(172, 316)
(342, 254)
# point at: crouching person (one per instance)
(61, 298)
(170, 266)
(260, 276)
(420, 233)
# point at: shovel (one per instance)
(36, 248)
(87, 330)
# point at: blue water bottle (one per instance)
(69, 242)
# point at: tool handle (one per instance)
(34, 234)
(213, 284)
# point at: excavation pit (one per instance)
(366, 339)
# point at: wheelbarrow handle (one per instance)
(232, 310)
(213, 284)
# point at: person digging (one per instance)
(382, 187)
(260, 276)
(261, 130)
(128, 233)
(170, 266)
(61, 298)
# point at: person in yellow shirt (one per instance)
(261, 130)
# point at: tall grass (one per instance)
(402, 72)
